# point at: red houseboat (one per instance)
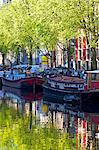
(23, 82)
(21, 77)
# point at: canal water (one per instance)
(81, 122)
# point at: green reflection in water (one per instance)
(15, 133)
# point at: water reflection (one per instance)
(81, 121)
(77, 122)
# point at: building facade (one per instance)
(83, 52)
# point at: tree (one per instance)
(87, 14)
(43, 23)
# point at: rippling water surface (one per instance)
(28, 119)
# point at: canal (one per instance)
(34, 121)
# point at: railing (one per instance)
(15, 77)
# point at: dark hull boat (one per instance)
(58, 94)
(23, 83)
(61, 87)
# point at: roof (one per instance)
(67, 79)
(94, 71)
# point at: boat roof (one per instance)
(94, 71)
(67, 79)
(25, 66)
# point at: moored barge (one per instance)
(23, 82)
(59, 86)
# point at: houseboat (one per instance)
(18, 78)
(91, 87)
(59, 86)
(22, 82)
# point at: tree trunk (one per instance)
(54, 58)
(69, 61)
(17, 60)
(3, 59)
(94, 62)
(64, 56)
(51, 58)
(68, 55)
(30, 60)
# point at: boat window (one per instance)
(94, 76)
(97, 77)
(57, 86)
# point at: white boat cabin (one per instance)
(65, 84)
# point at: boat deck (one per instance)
(92, 91)
(67, 79)
(69, 90)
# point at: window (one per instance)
(94, 76)
(97, 77)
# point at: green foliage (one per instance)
(32, 23)
(15, 133)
